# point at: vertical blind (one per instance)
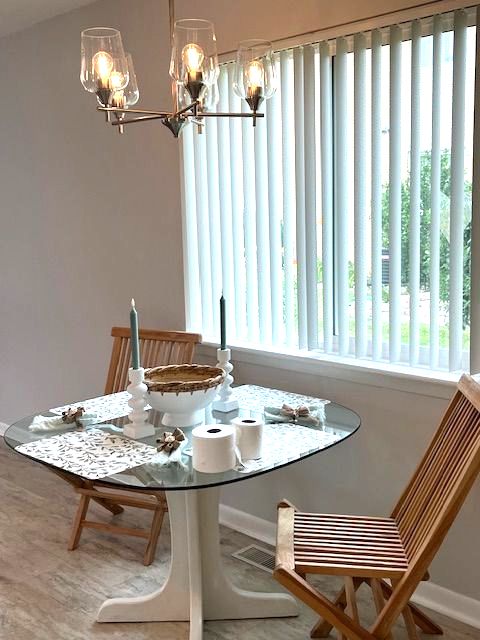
(342, 222)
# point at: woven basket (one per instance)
(183, 378)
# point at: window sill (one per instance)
(436, 384)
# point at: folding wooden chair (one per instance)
(399, 548)
(156, 348)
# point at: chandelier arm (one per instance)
(189, 107)
(117, 123)
(147, 112)
(219, 114)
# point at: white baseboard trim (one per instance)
(252, 526)
(3, 428)
(430, 595)
(448, 603)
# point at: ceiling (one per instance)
(20, 14)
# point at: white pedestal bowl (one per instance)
(181, 392)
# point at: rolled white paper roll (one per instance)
(249, 437)
(213, 448)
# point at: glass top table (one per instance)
(197, 588)
(283, 443)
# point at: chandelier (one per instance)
(108, 72)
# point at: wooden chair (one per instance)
(399, 548)
(156, 348)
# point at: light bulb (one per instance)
(103, 65)
(193, 56)
(117, 80)
(255, 74)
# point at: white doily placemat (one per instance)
(92, 454)
(255, 398)
(283, 443)
(105, 407)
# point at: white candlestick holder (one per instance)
(224, 401)
(138, 427)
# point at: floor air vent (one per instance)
(257, 556)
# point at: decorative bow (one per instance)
(170, 441)
(73, 415)
(301, 411)
(309, 415)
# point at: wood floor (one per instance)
(49, 593)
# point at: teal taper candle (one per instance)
(134, 337)
(223, 334)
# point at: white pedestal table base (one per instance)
(196, 588)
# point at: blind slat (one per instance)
(214, 223)
(326, 135)
(300, 196)
(376, 197)
(203, 229)
(275, 198)
(414, 227)
(395, 199)
(190, 258)
(310, 198)
(288, 160)
(249, 222)
(236, 182)
(360, 209)
(435, 192)
(341, 194)
(262, 231)
(225, 191)
(457, 193)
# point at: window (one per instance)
(341, 223)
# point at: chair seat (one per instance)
(348, 546)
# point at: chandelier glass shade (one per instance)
(194, 61)
(254, 78)
(108, 72)
(104, 66)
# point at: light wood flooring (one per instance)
(49, 593)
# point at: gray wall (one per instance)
(90, 219)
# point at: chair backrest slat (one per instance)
(157, 348)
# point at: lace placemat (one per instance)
(287, 442)
(105, 407)
(255, 398)
(92, 454)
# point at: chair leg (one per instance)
(155, 529)
(423, 622)
(77, 527)
(351, 609)
(378, 599)
(323, 628)
(322, 605)
(408, 619)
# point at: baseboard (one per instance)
(430, 595)
(247, 524)
(3, 428)
(448, 603)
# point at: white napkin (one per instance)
(47, 423)
(55, 423)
